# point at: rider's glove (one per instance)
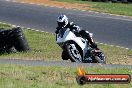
(57, 30)
(94, 45)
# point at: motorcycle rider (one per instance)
(63, 22)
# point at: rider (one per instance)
(63, 22)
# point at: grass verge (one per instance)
(44, 47)
(113, 8)
(16, 76)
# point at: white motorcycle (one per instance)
(77, 49)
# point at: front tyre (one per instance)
(74, 52)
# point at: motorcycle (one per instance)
(78, 49)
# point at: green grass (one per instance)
(16, 76)
(114, 8)
(44, 47)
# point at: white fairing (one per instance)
(68, 35)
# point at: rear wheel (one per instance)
(65, 55)
(74, 52)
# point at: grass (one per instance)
(44, 47)
(16, 76)
(113, 8)
(42, 44)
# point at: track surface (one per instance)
(60, 63)
(115, 30)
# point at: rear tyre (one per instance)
(65, 55)
(74, 52)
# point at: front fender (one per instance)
(79, 41)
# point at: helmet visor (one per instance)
(61, 24)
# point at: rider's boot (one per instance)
(87, 57)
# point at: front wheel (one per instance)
(74, 52)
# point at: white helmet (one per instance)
(62, 20)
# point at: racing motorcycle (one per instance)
(77, 48)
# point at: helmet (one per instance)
(62, 20)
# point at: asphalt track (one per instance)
(61, 63)
(114, 30)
